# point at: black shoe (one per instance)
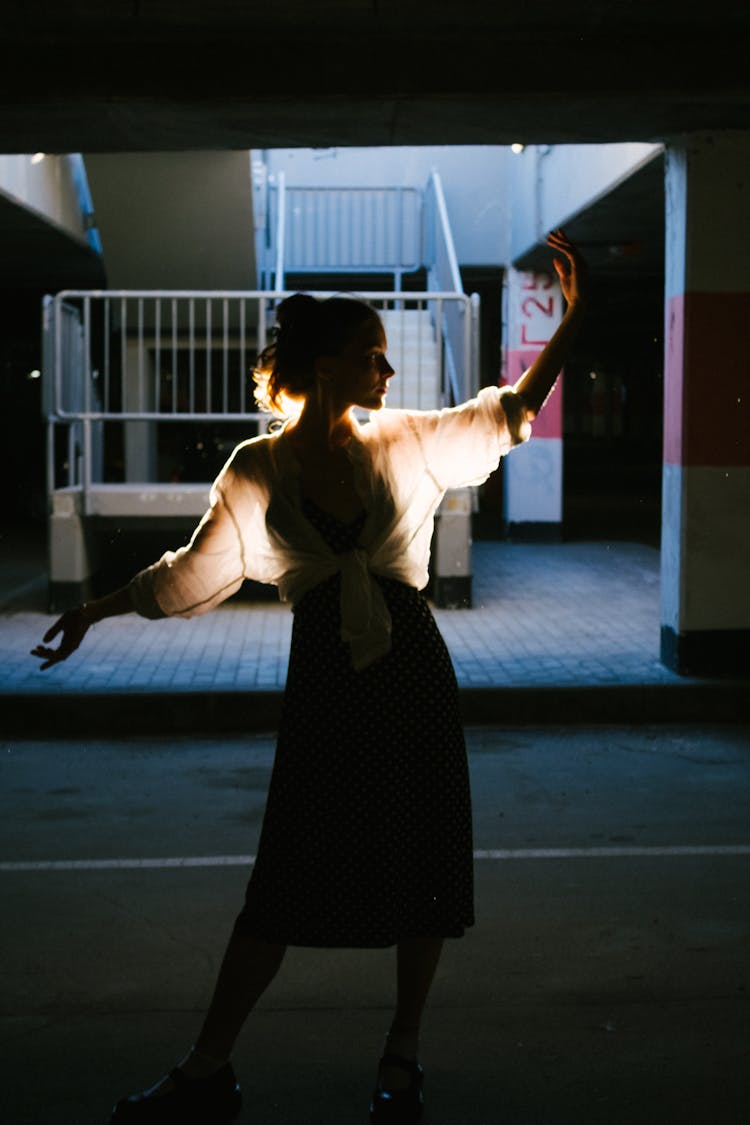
(194, 1101)
(400, 1107)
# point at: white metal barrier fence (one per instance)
(143, 358)
(326, 230)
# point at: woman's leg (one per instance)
(417, 960)
(248, 967)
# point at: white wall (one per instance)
(552, 183)
(475, 180)
(174, 220)
(46, 187)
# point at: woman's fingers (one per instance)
(73, 628)
(560, 238)
(51, 656)
(563, 246)
(48, 655)
(54, 630)
(570, 267)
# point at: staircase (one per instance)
(325, 237)
(414, 353)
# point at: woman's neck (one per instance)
(320, 426)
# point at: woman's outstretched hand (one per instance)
(571, 270)
(535, 384)
(74, 624)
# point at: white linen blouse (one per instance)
(404, 461)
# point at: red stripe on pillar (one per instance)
(707, 379)
(674, 332)
(549, 423)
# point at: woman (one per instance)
(366, 838)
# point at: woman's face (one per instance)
(359, 374)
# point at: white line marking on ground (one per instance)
(129, 864)
(614, 852)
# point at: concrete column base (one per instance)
(706, 652)
(452, 593)
(451, 554)
(534, 531)
(74, 552)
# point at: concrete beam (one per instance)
(124, 77)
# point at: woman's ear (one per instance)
(324, 368)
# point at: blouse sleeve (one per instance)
(462, 445)
(201, 575)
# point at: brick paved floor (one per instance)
(544, 615)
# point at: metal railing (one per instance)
(460, 326)
(280, 228)
(318, 230)
(139, 359)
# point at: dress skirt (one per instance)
(366, 838)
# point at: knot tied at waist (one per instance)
(365, 617)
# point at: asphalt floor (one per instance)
(605, 982)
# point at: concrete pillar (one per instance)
(533, 474)
(73, 552)
(451, 554)
(140, 437)
(705, 569)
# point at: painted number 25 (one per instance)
(546, 307)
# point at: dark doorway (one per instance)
(613, 409)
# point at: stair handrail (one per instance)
(442, 230)
(458, 331)
(280, 240)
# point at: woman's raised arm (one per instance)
(536, 383)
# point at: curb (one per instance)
(113, 714)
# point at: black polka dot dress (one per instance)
(366, 838)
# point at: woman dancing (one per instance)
(366, 839)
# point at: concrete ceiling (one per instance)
(621, 234)
(238, 74)
(179, 75)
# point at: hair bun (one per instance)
(300, 310)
